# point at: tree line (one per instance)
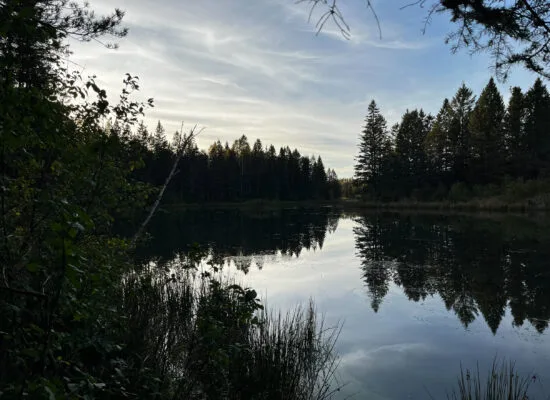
(226, 173)
(470, 143)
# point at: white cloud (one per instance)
(257, 68)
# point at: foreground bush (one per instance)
(212, 339)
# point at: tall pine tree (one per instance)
(514, 132)
(409, 149)
(487, 153)
(461, 105)
(372, 148)
(537, 129)
(440, 146)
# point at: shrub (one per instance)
(211, 338)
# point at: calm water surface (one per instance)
(417, 294)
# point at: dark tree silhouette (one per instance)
(471, 148)
(475, 266)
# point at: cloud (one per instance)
(257, 68)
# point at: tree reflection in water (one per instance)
(478, 266)
(236, 236)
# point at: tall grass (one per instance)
(501, 383)
(292, 356)
(208, 339)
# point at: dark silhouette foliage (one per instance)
(230, 173)
(470, 146)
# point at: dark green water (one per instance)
(417, 294)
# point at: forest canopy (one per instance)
(227, 173)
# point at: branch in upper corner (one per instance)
(333, 13)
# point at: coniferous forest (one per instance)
(227, 173)
(474, 146)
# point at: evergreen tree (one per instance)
(319, 179)
(257, 166)
(372, 148)
(257, 149)
(162, 154)
(293, 175)
(514, 132)
(333, 185)
(142, 134)
(394, 131)
(409, 149)
(241, 149)
(537, 129)
(271, 177)
(459, 134)
(159, 138)
(439, 144)
(487, 153)
(305, 175)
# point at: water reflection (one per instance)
(244, 238)
(478, 266)
(418, 294)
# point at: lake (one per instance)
(418, 294)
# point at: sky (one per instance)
(257, 67)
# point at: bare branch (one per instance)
(179, 153)
(512, 32)
(333, 13)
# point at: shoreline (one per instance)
(483, 204)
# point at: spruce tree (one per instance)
(257, 165)
(319, 179)
(486, 136)
(459, 134)
(372, 147)
(305, 175)
(143, 134)
(409, 149)
(515, 133)
(159, 138)
(537, 129)
(439, 145)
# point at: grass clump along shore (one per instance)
(502, 382)
(210, 338)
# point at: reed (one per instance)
(209, 338)
(501, 383)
